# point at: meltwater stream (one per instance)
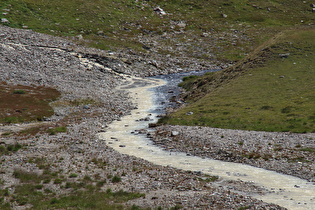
(287, 191)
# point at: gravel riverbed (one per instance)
(287, 153)
(30, 58)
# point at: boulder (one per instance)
(4, 20)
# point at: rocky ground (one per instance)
(287, 153)
(30, 58)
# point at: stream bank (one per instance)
(284, 190)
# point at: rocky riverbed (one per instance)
(287, 153)
(35, 59)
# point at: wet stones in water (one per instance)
(114, 138)
(142, 131)
(152, 125)
(145, 119)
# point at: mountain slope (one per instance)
(272, 89)
(207, 30)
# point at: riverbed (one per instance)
(125, 137)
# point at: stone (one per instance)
(174, 133)
(4, 20)
(100, 33)
(159, 10)
(152, 125)
(80, 37)
(284, 55)
(189, 113)
(182, 25)
(145, 119)
(224, 15)
(86, 107)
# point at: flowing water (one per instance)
(286, 191)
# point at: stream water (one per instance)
(286, 191)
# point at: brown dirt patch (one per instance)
(19, 103)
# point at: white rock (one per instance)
(4, 20)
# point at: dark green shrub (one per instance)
(19, 92)
(116, 179)
(73, 175)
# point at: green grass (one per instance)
(56, 130)
(308, 149)
(19, 92)
(7, 149)
(265, 92)
(84, 195)
(117, 24)
(116, 179)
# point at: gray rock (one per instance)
(189, 113)
(101, 33)
(284, 55)
(182, 25)
(159, 10)
(80, 37)
(175, 133)
(4, 20)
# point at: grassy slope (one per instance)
(118, 24)
(208, 35)
(266, 91)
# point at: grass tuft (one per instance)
(54, 131)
